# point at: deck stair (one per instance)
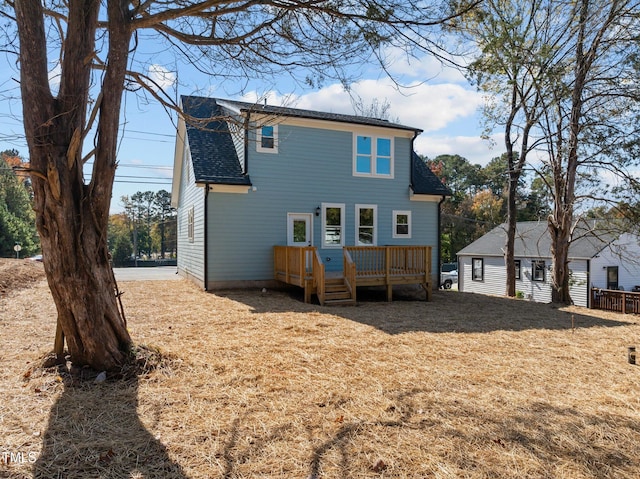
(361, 266)
(337, 293)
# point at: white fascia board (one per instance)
(181, 140)
(215, 188)
(416, 197)
(372, 130)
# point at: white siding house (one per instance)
(598, 259)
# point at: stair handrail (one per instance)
(349, 272)
(318, 276)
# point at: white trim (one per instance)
(418, 197)
(191, 224)
(324, 207)
(375, 224)
(242, 189)
(178, 161)
(259, 147)
(394, 223)
(374, 147)
(334, 125)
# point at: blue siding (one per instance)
(313, 166)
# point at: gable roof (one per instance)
(424, 181)
(533, 240)
(241, 106)
(214, 156)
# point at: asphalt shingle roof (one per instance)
(424, 181)
(316, 115)
(214, 156)
(534, 240)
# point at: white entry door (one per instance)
(299, 229)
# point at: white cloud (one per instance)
(161, 77)
(474, 148)
(447, 112)
(427, 68)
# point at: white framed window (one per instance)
(373, 156)
(366, 225)
(267, 139)
(332, 225)
(538, 270)
(518, 269)
(477, 269)
(191, 224)
(401, 224)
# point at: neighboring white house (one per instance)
(598, 259)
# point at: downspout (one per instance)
(588, 283)
(246, 143)
(440, 242)
(206, 237)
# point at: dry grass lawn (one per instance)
(263, 385)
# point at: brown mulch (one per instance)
(262, 385)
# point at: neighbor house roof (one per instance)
(214, 156)
(533, 240)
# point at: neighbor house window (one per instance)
(477, 269)
(191, 224)
(612, 277)
(373, 156)
(517, 267)
(366, 225)
(538, 270)
(401, 224)
(267, 139)
(332, 225)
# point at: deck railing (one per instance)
(387, 261)
(293, 264)
(362, 266)
(614, 300)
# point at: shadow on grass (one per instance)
(448, 312)
(94, 431)
(452, 434)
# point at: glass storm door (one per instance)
(612, 277)
(299, 229)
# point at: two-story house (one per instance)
(268, 193)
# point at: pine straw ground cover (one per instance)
(263, 385)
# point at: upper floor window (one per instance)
(267, 139)
(373, 156)
(401, 224)
(366, 225)
(332, 225)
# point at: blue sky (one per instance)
(435, 99)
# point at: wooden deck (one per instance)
(613, 300)
(362, 266)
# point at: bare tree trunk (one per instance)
(72, 217)
(509, 254)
